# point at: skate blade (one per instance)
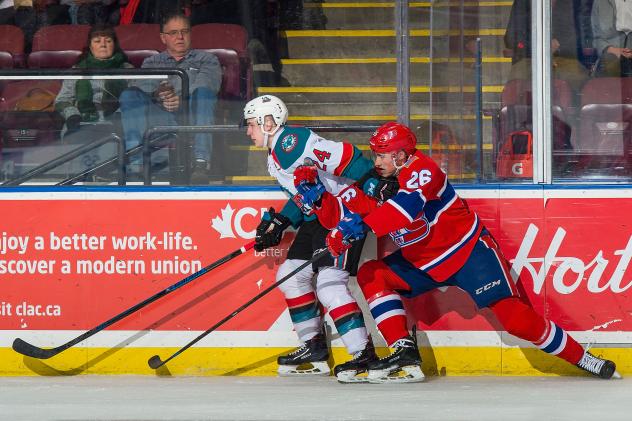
(319, 368)
(408, 374)
(352, 376)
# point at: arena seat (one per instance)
(139, 41)
(58, 46)
(11, 47)
(516, 111)
(220, 35)
(27, 128)
(230, 44)
(606, 119)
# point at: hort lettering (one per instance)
(76, 242)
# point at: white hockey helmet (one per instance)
(265, 105)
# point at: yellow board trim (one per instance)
(373, 89)
(388, 60)
(444, 361)
(349, 33)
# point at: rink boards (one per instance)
(71, 259)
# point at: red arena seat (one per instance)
(58, 46)
(229, 43)
(516, 110)
(139, 36)
(139, 41)
(11, 47)
(220, 35)
(606, 120)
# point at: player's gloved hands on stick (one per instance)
(270, 230)
(305, 174)
(309, 187)
(349, 228)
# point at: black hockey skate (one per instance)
(309, 359)
(402, 366)
(599, 367)
(348, 372)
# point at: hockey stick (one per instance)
(155, 361)
(29, 350)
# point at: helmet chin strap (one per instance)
(399, 167)
(267, 135)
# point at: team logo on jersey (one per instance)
(289, 142)
(417, 231)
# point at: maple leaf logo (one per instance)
(223, 224)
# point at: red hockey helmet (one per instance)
(393, 137)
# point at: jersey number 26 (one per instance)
(418, 179)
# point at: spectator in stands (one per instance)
(568, 31)
(96, 100)
(612, 25)
(90, 12)
(149, 103)
(30, 15)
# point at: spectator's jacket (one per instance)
(431, 224)
(339, 163)
(605, 33)
(202, 68)
(78, 97)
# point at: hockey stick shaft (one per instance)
(30, 350)
(155, 361)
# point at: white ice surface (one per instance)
(268, 398)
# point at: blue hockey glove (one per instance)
(308, 196)
(352, 227)
(349, 228)
(309, 187)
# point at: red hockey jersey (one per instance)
(426, 218)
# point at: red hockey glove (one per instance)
(305, 174)
(336, 243)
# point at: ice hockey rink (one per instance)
(143, 398)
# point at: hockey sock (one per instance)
(390, 317)
(305, 315)
(350, 325)
(522, 321)
(378, 283)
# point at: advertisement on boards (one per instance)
(69, 264)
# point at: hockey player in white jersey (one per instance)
(339, 164)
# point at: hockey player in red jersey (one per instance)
(441, 243)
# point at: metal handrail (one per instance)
(47, 74)
(229, 128)
(41, 169)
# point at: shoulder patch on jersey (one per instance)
(289, 142)
(410, 161)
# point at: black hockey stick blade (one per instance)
(29, 350)
(25, 348)
(155, 361)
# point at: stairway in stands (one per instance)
(341, 70)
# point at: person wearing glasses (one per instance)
(152, 103)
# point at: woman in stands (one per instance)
(88, 106)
